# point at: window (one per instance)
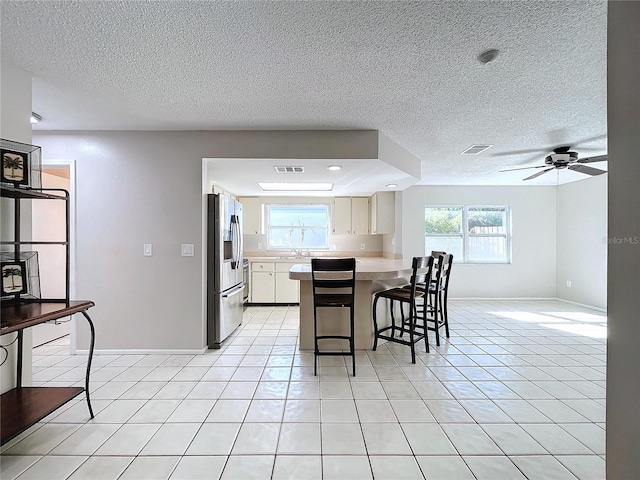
(298, 226)
(473, 234)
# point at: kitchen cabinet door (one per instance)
(251, 215)
(287, 290)
(360, 216)
(383, 213)
(342, 215)
(262, 287)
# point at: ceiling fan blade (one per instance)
(589, 149)
(588, 140)
(538, 174)
(521, 168)
(599, 158)
(586, 169)
(520, 152)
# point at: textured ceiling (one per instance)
(408, 69)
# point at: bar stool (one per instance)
(333, 283)
(436, 302)
(421, 274)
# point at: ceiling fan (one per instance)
(563, 157)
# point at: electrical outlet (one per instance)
(259, 245)
(568, 283)
(148, 250)
(187, 249)
(334, 246)
(362, 246)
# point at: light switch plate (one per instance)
(187, 249)
(148, 250)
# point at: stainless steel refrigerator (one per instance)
(225, 281)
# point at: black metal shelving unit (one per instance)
(21, 407)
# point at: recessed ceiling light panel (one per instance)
(391, 185)
(295, 186)
(476, 149)
(35, 118)
(334, 168)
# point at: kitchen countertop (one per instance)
(280, 259)
(367, 268)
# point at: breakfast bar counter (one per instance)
(372, 275)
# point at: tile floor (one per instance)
(517, 392)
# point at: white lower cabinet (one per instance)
(262, 287)
(287, 290)
(263, 282)
(270, 283)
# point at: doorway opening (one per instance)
(48, 222)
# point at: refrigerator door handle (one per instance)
(233, 291)
(234, 241)
(237, 243)
(240, 241)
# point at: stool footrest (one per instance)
(334, 352)
(416, 335)
(335, 337)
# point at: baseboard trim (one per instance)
(528, 299)
(145, 351)
(599, 309)
(488, 299)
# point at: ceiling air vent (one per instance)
(289, 169)
(476, 149)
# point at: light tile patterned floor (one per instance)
(517, 392)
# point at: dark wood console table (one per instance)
(22, 407)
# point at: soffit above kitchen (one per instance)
(356, 163)
(409, 70)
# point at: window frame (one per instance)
(268, 226)
(465, 235)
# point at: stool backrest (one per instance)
(421, 268)
(333, 273)
(444, 271)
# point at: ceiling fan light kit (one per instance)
(560, 159)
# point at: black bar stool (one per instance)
(438, 293)
(421, 274)
(333, 284)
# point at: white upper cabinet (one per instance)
(252, 215)
(351, 216)
(342, 215)
(383, 213)
(360, 216)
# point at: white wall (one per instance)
(146, 187)
(15, 111)
(582, 241)
(623, 352)
(533, 271)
